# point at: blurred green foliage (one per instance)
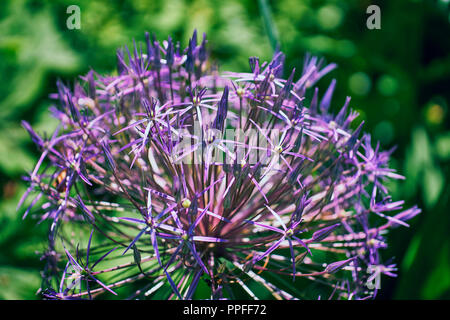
(398, 77)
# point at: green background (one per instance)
(398, 77)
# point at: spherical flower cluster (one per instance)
(170, 180)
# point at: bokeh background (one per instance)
(398, 77)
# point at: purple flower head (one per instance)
(176, 176)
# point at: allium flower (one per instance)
(170, 180)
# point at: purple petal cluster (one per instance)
(148, 194)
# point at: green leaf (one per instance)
(18, 284)
(427, 275)
(438, 281)
(442, 146)
(269, 24)
(14, 158)
(136, 255)
(432, 185)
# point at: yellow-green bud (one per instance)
(186, 203)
